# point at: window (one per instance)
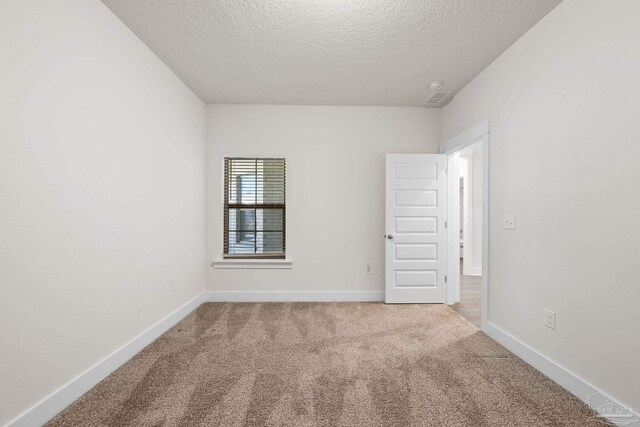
(254, 207)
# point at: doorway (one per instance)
(467, 219)
(465, 169)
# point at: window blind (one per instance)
(254, 207)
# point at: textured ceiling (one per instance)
(330, 52)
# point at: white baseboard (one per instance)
(53, 404)
(475, 271)
(565, 378)
(301, 296)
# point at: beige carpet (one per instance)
(321, 364)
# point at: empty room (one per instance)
(319, 213)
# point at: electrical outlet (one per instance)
(172, 285)
(550, 319)
(368, 269)
(509, 222)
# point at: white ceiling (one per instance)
(329, 52)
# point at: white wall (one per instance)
(335, 187)
(101, 193)
(563, 105)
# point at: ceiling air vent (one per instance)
(437, 98)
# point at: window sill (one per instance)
(281, 264)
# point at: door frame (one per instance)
(478, 133)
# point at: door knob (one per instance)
(390, 236)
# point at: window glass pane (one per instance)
(245, 244)
(269, 242)
(243, 188)
(243, 223)
(270, 181)
(269, 220)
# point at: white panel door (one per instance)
(415, 236)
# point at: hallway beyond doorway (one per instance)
(470, 304)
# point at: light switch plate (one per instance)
(509, 222)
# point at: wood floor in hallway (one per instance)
(470, 304)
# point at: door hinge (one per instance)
(445, 279)
(445, 224)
